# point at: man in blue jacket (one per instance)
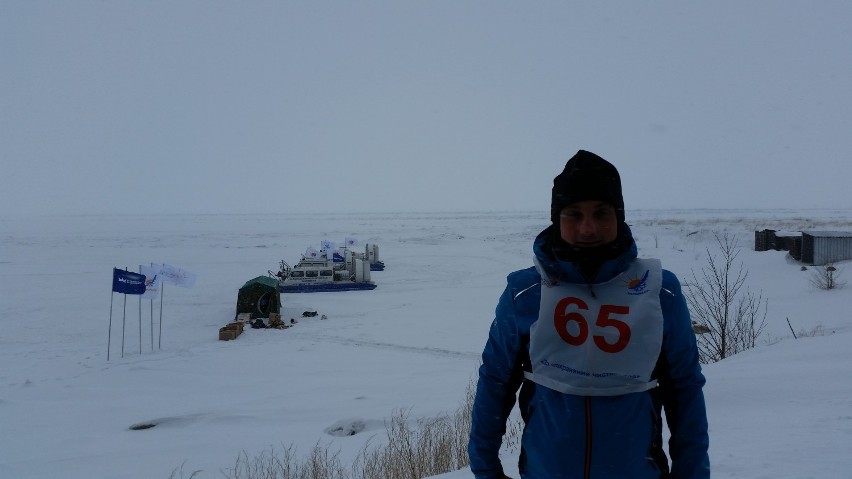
(599, 342)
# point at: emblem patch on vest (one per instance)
(637, 286)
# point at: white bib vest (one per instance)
(605, 344)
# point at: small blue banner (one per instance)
(127, 282)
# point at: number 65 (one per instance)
(562, 317)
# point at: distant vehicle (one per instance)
(370, 254)
(311, 275)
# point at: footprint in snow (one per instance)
(351, 427)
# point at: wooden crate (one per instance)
(230, 331)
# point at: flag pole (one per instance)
(140, 316)
(151, 309)
(123, 322)
(162, 293)
(152, 323)
(125, 282)
(109, 330)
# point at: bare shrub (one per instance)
(423, 448)
(322, 464)
(514, 434)
(818, 330)
(177, 473)
(720, 303)
(461, 427)
(826, 277)
(285, 464)
(413, 449)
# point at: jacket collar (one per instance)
(567, 271)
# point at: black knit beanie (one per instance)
(586, 176)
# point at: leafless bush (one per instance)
(514, 434)
(818, 330)
(413, 450)
(718, 301)
(177, 473)
(826, 277)
(427, 447)
(285, 464)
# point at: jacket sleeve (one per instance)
(686, 414)
(500, 376)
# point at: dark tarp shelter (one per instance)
(259, 297)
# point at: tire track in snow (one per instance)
(380, 345)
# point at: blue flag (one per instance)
(127, 282)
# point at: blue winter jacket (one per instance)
(567, 436)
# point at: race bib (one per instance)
(602, 339)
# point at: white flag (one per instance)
(152, 281)
(351, 242)
(312, 253)
(176, 276)
(328, 248)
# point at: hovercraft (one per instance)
(313, 275)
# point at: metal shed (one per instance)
(777, 240)
(823, 247)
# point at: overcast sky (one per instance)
(377, 106)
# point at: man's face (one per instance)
(588, 223)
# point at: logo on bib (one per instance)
(638, 285)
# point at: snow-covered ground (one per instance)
(782, 410)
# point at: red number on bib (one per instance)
(605, 321)
(561, 319)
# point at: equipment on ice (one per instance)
(311, 275)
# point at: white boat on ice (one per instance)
(312, 275)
